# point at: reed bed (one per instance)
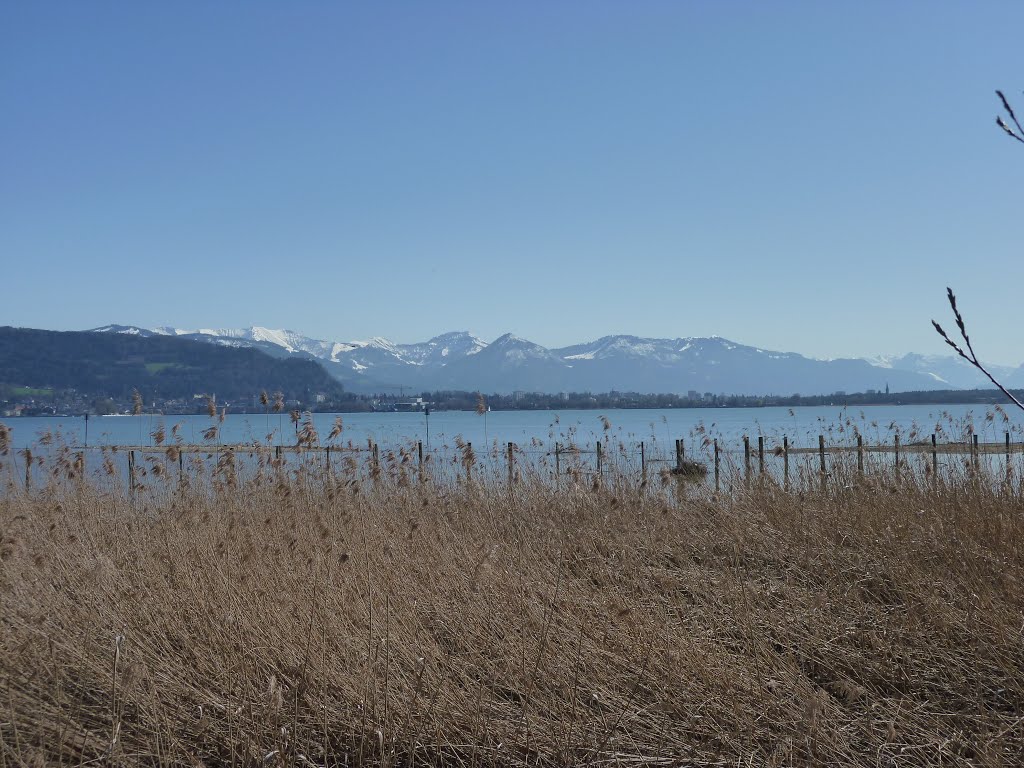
(285, 612)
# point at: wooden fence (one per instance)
(562, 459)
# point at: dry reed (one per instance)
(311, 615)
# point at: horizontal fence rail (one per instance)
(705, 462)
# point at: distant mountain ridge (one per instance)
(460, 360)
(950, 370)
(114, 364)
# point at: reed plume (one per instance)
(265, 402)
(481, 410)
(308, 436)
(336, 429)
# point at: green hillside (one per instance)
(112, 364)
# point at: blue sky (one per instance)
(798, 176)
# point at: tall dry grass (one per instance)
(296, 616)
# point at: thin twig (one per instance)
(1009, 111)
(972, 358)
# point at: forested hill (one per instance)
(111, 365)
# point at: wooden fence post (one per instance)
(469, 462)
(860, 454)
(131, 470)
(511, 468)
(935, 459)
(717, 465)
(746, 458)
(419, 454)
(821, 457)
(679, 455)
(599, 463)
(974, 449)
(643, 463)
(785, 461)
(760, 454)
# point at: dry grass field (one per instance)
(294, 617)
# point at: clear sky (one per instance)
(798, 176)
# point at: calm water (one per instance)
(656, 427)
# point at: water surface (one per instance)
(656, 427)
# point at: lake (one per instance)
(658, 427)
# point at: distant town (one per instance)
(23, 401)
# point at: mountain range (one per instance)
(113, 365)
(459, 360)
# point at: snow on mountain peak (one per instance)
(507, 338)
(621, 362)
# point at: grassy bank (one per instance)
(298, 618)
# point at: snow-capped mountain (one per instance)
(949, 370)
(443, 349)
(719, 365)
(507, 364)
(375, 362)
(290, 341)
(130, 330)
(460, 360)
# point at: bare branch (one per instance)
(1009, 111)
(949, 341)
(1002, 124)
(971, 358)
(960, 323)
